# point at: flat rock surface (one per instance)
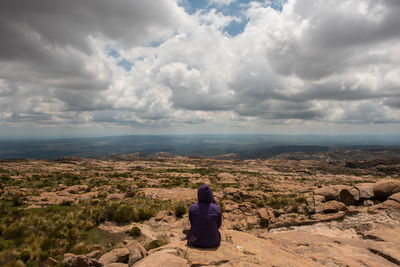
(179, 194)
(243, 249)
(163, 259)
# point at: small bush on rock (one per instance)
(155, 244)
(180, 209)
(135, 231)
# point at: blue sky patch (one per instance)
(112, 52)
(235, 9)
(125, 64)
(236, 27)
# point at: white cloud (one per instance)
(223, 2)
(315, 62)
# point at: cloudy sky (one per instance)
(84, 67)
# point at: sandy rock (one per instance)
(288, 220)
(165, 216)
(96, 254)
(328, 217)
(310, 202)
(116, 264)
(230, 206)
(342, 193)
(384, 188)
(61, 187)
(326, 250)
(63, 193)
(318, 200)
(389, 204)
(136, 251)
(328, 192)
(73, 260)
(178, 193)
(395, 197)
(330, 207)
(236, 249)
(233, 193)
(266, 216)
(367, 203)
(246, 208)
(120, 255)
(162, 259)
(388, 251)
(387, 235)
(365, 190)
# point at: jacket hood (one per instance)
(204, 194)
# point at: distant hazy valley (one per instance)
(236, 146)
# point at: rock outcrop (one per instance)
(73, 260)
(384, 188)
(120, 255)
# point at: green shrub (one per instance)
(25, 255)
(47, 243)
(7, 257)
(14, 231)
(15, 263)
(108, 213)
(135, 231)
(123, 214)
(180, 209)
(66, 202)
(80, 249)
(130, 192)
(17, 200)
(143, 214)
(155, 244)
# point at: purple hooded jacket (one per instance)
(205, 219)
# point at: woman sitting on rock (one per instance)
(205, 220)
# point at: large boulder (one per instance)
(384, 188)
(328, 192)
(120, 255)
(348, 197)
(136, 251)
(332, 206)
(343, 193)
(365, 190)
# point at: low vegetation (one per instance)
(33, 235)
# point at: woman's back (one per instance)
(205, 219)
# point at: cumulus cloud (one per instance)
(151, 64)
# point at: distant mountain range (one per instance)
(217, 146)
